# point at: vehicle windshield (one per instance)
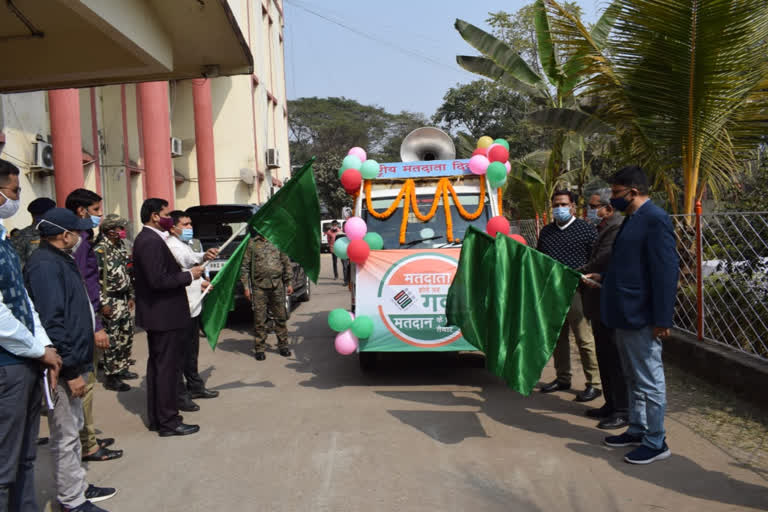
(417, 231)
(213, 225)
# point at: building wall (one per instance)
(249, 117)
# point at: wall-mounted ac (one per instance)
(176, 149)
(273, 158)
(43, 156)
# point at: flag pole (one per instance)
(205, 264)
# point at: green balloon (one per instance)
(340, 247)
(374, 240)
(351, 162)
(339, 320)
(497, 172)
(503, 142)
(370, 169)
(497, 184)
(362, 327)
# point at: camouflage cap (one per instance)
(112, 221)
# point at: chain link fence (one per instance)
(723, 287)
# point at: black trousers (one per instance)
(189, 368)
(611, 372)
(335, 260)
(166, 355)
(20, 398)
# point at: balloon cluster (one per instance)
(358, 243)
(350, 330)
(492, 159)
(355, 168)
(500, 224)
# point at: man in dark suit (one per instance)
(613, 414)
(638, 300)
(162, 310)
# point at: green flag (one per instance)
(510, 302)
(291, 221)
(221, 300)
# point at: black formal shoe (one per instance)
(588, 394)
(555, 385)
(599, 413)
(182, 430)
(128, 375)
(203, 393)
(284, 352)
(189, 406)
(114, 383)
(152, 428)
(613, 423)
(260, 356)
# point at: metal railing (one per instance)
(723, 287)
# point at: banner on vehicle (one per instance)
(404, 292)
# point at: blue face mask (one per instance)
(562, 213)
(96, 220)
(186, 234)
(592, 216)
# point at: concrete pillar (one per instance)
(64, 106)
(206, 163)
(156, 131)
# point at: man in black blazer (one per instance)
(163, 311)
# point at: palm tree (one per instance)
(684, 83)
(541, 172)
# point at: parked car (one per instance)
(215, 224)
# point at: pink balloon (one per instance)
(345, 343)
(355, 228)
(478, 164)
(508, 166)
(359, 153)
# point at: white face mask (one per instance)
(74, 248)
(9, 207)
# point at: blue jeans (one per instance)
(640, 355)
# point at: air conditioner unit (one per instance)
(273, 158)
(43, 156)
(176, 149)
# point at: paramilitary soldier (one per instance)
(266, 275)
(117, 302)
(27, 240)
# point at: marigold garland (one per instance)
(499, 196)
(448, 220)
(407, 194)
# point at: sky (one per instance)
(397, 54)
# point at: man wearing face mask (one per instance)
(178, 243)
(117, 298)
(28, 239)
(24, 350)
(87, 205)
(613, 414)
(162, 309)
(638, 300)
(569, 240)
(56, 287)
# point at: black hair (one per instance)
(564, 192)
(81, 197)
(150, 206)
(177, 215)
(632, 176)
(7, 169)
(335, 222)
(14, 232)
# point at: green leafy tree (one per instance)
(684, 84)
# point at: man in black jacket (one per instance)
(614, 413)
(163, 311)
(57, 290)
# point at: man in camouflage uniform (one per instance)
(266, 275)
(28, 239)
(117, 302)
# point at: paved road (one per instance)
(311, 433)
